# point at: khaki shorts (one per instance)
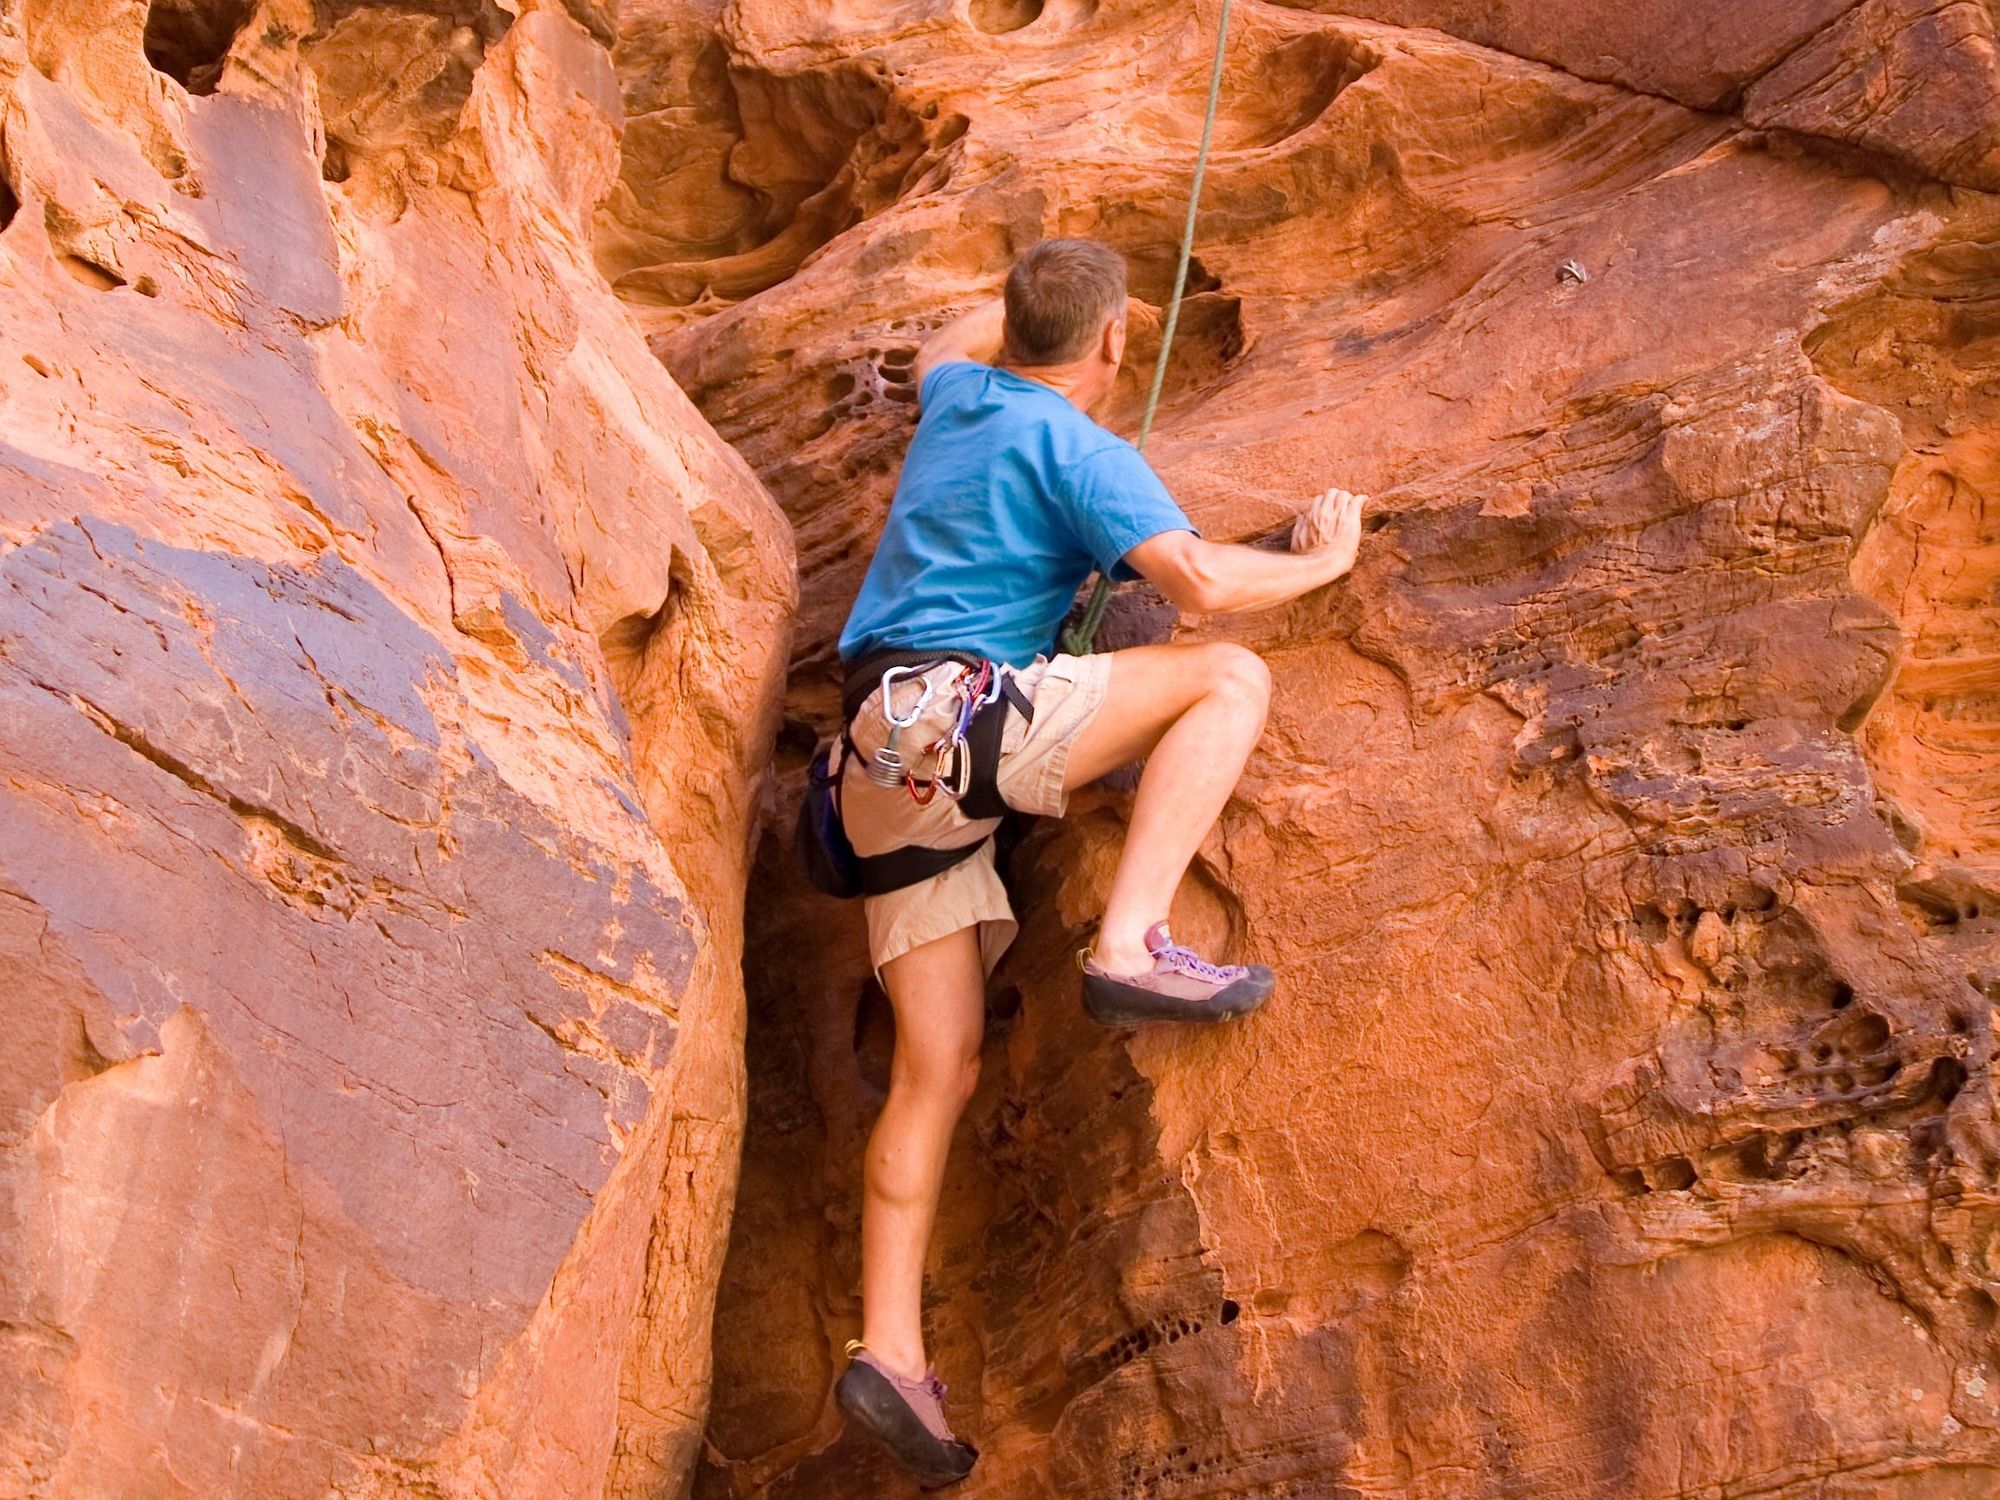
(1034, 756)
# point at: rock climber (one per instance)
(1008, 497)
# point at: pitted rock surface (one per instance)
(1627, 834)
(388, 656)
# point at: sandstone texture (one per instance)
(388, 656)
(1627, 834)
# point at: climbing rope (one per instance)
(1079, 638)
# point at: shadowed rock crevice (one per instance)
(188, 39)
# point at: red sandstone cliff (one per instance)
(387, 653)
(1628, 830)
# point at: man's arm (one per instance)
(1217, 578)
(975, 335)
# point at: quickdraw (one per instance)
(976, 689)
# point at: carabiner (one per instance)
(889, 703)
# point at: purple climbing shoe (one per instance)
(906, 1417)
(1179, 987)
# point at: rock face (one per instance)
(387, 663)
(1627, 835)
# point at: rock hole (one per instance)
(407, 112)
(1947, 1078)
(1757, 900)
(1287, 89)
(1648, 924)
(1842, 996)
(1631, 1182)
(1207, 342)
(626, 640)
(778, 166)
(1675, 1174)
(334, 165)
(9, 204)
(89, 273)
(1762, 1157)
(189, 40)
(1867, 1032)
(1230, 1311)
(840, 385)
(998, 17)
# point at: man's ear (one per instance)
(1114, 338)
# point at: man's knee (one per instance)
(943, 1075)
(1238, 673)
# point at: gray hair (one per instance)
(1058, 296)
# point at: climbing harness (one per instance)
(1080, 638)
(964, 765)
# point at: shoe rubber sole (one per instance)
(871, 1401)
(1110, 1003)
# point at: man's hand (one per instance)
(1226, 578)
(975, 335)
(1332, 523)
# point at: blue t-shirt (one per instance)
(1009, 496)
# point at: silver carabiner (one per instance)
(889, 703)
(886, 767)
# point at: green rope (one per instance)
(1079, 639)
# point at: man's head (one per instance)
(1066, 309)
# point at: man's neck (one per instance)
(1065, 380)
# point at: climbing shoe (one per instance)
(906, 1417)
(1179, 987)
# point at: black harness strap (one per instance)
(883, 873)
(982, 743)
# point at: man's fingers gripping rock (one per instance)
(1324, 523)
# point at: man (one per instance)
(1009, 495)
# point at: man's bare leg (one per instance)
(938, 992)
(1195, 711)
